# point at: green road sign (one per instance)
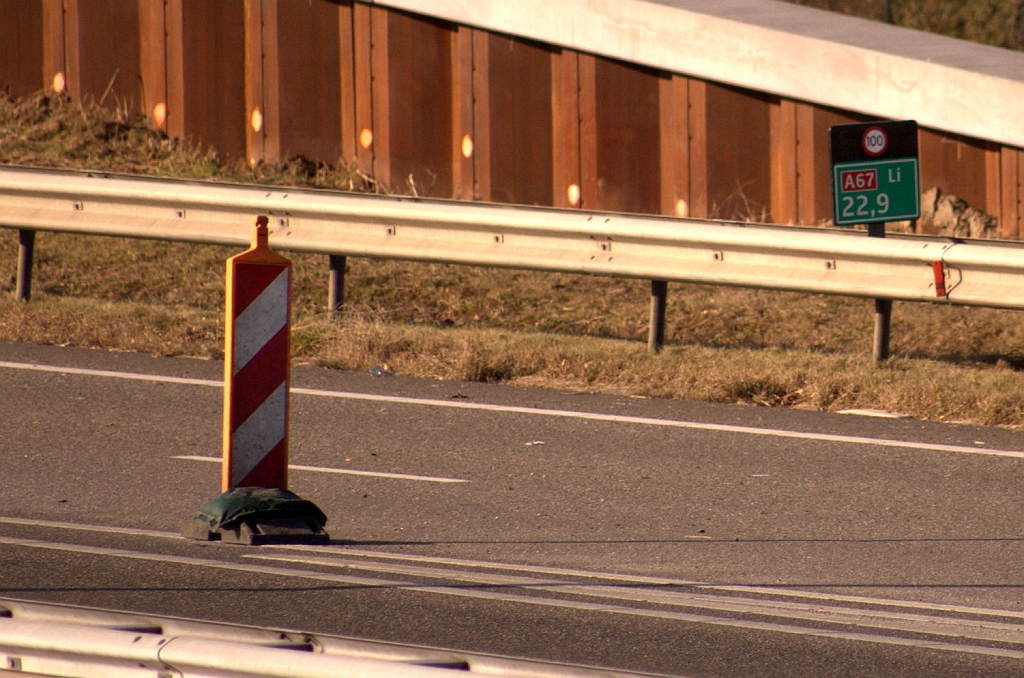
(875, 191)
(874, 172)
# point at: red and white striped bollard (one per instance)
(255, 506)
(257, 366)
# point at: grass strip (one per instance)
(537, 329)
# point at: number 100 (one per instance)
(861, 203)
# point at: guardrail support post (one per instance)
(656, 338)
(336, 287)
(883, 318)
(883, 310)
(26, 248)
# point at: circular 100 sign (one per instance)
(875, 141)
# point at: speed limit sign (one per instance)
(875, 141)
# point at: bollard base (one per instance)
(258, 515)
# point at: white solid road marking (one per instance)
(987, 630)
(323, 469)
(82, 527)
(880, 414)
(554, 571)
(132, 376)
(566, 414)
(365, 582)
(656, 581)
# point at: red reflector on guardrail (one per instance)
(940, 278)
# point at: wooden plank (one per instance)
(381, 90)
(930, 160)
(153, 62)
(271, 84)
(587, 70)
(107, 52)
(363, 86)
(419, 105)
(739, 153)
(674, 138)
(174, 16)
(215, 54)
(628, 147)
(565, 125)
(309, 80)
(347, 83)
(520, 121)
(21, 46)
(463, 137)
(72, 54)
(783, 161)
(931, 168)
(54, 69)
(966, 162)
(697, 122)
(806, 170)
(224, 97)
(993, 194)
(955, 164)
(1009, 222)
(255, 151)
(481, 115)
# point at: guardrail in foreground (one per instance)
(826, 261)
(45, 639)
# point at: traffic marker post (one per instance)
(256, 506)
(257, 360)
(875, 179)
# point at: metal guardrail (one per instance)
(45, 639)
(816, 260)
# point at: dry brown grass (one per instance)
(49, 130)
(557, 330)
(451, 322)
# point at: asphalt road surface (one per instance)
(657, 536)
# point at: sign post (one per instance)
(875, 179)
